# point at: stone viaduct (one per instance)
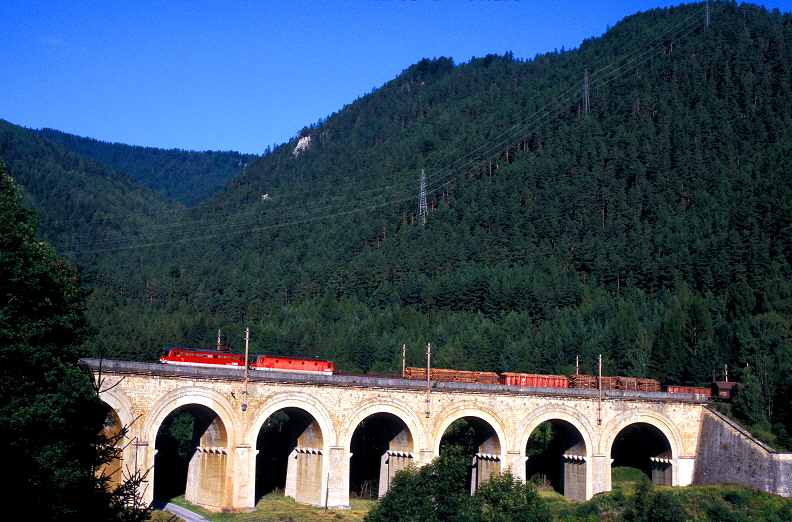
(325, 415)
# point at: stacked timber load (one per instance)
(583, 382)
(648, 385)
(589, 382)
(471, 377)
(446, 375)
(415, 374)
(610, 383)
(530, 379)
(635, 384)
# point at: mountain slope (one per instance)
(666, 181)
(76, 197)
(185, 176)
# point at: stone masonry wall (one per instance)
(727, 453)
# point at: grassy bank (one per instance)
(627, 501)
(280, 508)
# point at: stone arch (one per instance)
(119, 403)
(122, 405)
(574, 469)
(370, 407)
(311, 433)
(400, 437)
(303, 401)
(468, 409)
(210, 474)
(664, 467)
(560, 412)
(491, 452)
(168, 403)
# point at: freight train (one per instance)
(224, 357)
(718, 390)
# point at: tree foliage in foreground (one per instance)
(438, 491)
(50, 416)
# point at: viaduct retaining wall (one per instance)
(728, 453)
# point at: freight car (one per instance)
(690, 390)
(586, 382)
(446, 375)
(530, 379)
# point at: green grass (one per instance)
(276, 507)
(719, 502)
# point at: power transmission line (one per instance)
(255, 219)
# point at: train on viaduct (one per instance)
(675, 438)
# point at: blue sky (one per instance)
(200, 75)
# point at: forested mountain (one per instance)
(630, 198)
(78, 198)
(185, 176)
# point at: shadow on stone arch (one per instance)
(290, 456)
(644, 447)
(191, 458)
(381, 445)
(480, 443)
(112, 430)
(556, 455)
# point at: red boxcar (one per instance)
(276, 363)
(205, 357)
(529, 379)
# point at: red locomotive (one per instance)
(277, 363)
(222, 356)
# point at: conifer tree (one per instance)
(50, 416)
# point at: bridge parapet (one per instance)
(237, 374)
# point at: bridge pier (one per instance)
(206, 478)
(600, 475)
(483, 467)
(515, 461)
(338, 487)
(304, 476)
(574, 477)
(244, 466)
(685, 468)
(391, 463)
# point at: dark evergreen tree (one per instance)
(50, 416)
